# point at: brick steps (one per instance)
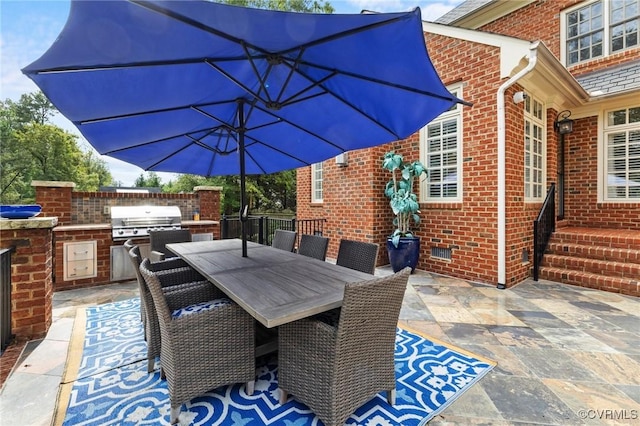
(605, 259)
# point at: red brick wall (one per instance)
(469, 228)
(88, 208)
(581, 203)
(31, 281)
(56, 202)
(349, 199)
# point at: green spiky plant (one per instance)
(399, 190)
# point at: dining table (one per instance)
(274, 286)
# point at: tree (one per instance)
(34, 149)
(307, 6)
(152, 180)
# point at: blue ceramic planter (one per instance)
(406, 254)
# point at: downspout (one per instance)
(502, 195)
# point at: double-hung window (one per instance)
(441, 154)
(599, 28)
(622, 154)
(534, 150)
(316, 183)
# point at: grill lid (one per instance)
(143, 215)
(130, 221)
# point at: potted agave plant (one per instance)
(403, 247)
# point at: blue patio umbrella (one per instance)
(211, 89)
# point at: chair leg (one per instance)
(250, 386)
(151, 362)
(283, 396)
(175, 413)
(391, 397)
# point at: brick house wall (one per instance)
(582, 205)
(469, 228)
(541, 20)
(350, 199)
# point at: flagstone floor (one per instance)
(566, 355)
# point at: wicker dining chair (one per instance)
(284, 240)
(313, 246)
(182, 284)
(204, 345)
(334, 367)
(158, 241)
(358, 255)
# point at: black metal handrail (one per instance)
(543, 227)
(260, 229)
(5, 297)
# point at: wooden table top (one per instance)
(274, 286)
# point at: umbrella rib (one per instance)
(156, 111)
(384, 82)
(257, 141)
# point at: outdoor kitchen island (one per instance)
(84, 254)
(84, 239)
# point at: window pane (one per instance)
(617, 117)
(441, 156)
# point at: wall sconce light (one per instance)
(563, 123)
(519, 97)
(342, 160)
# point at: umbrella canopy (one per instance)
(211, 89)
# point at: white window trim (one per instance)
(457, 112)
(606, 45)
(603, 129)
(543, 124)
(313, 183)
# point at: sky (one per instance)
(29, 27)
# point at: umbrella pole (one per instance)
(244, 211)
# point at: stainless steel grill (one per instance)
(137, 221)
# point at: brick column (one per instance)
(209, 197)
(55, 199)
(31, 274)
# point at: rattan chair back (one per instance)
(358, 255)
(284, 240)
(336, 368)
(159, 239)
(313, 246)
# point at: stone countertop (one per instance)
(99, 226)
(199, 222)
(31, 223)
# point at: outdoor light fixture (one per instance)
(563, 123)
(342, 160)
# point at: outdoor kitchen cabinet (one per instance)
(80, 260)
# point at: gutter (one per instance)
(502, 195)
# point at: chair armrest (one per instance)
(156, 256)
(170, 263)
(172, 277)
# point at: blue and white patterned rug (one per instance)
(106, 382)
